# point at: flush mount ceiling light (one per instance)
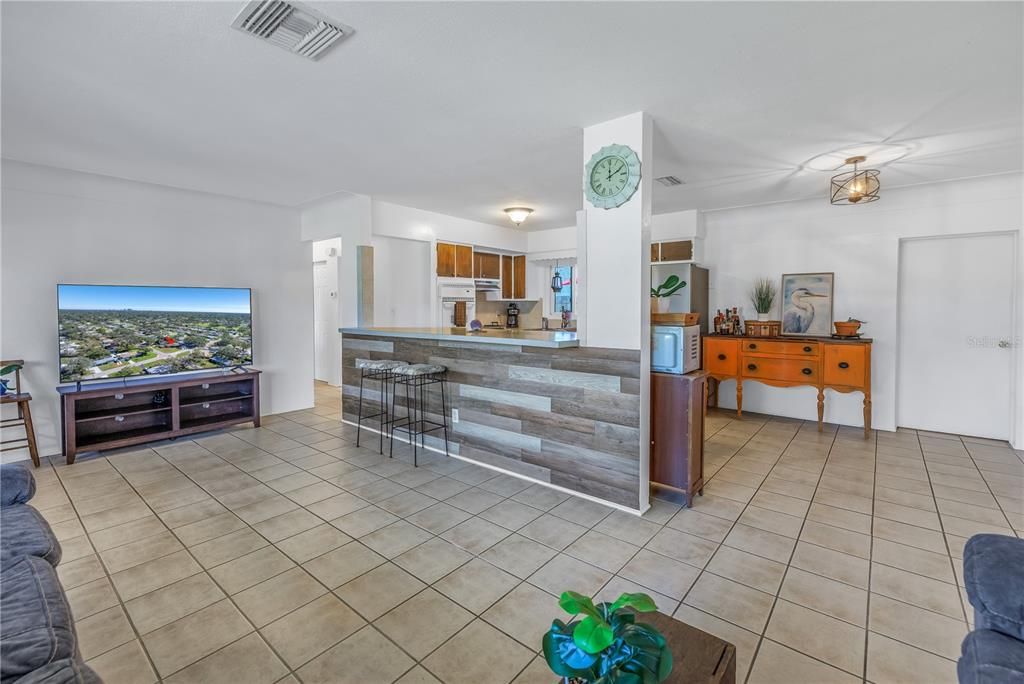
(859, 186)
(518, 214)
(292, 26)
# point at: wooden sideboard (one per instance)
(842, 365)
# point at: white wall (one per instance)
(348, 217)
(66, 227)
(393, 220)
(327, 361)
(860, 244)
(401, 270)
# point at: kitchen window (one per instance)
(564, 299)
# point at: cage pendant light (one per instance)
(556, 280)
(859, 186)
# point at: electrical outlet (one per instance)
(455, 415)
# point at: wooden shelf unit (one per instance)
(114, 414)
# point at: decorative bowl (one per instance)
(847, 328)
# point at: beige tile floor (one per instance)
(288, 554)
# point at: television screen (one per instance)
(115, 331)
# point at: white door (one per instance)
(321, 307)
(955, 332)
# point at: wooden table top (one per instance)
(696, 655)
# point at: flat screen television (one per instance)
(116, 331)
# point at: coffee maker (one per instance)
(512, 316)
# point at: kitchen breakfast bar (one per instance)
(530, 402)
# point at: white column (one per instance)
(614, 252)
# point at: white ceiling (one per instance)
(465, 108)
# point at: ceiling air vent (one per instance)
(669, 181)
(292, 26)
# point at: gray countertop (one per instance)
(555, 339)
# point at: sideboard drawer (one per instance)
(795, 348)
(783, 370)
(721, 357)
(845, 364)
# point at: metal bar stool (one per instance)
(381, 371)
(416, 379)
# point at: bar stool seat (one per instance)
(417, 378)
(380, 370)
(378, 364)
(416, 369)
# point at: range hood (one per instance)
(487, 284)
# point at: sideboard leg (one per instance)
(739, 397)
(867, 416)
(821, 409)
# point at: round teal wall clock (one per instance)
(613, 175)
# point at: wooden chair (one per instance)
(16, 396)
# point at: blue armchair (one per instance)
(37, 634)
(994, 576)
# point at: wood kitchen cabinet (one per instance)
(486, 265)
(445, 260)
(675, 250)
(454, 261)
(463, 261)
(677, 435)
(519, 277)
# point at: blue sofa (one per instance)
(994, 576)
(38, 644)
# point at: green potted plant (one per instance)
(6, 370)
(762, 296)
(607, 645)
(661, 293)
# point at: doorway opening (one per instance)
(327, 311)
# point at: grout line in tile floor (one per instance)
(728, 437)
(942, 526)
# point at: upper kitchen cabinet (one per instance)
(675, 250)
(513, 277)
(454, 261)
(486, 265)
(519, 277)
(463, 261)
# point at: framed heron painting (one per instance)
(807, 304)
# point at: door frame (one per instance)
(1015, 430)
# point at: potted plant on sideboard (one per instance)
(607, 645)
(762, 296)
(661, 293)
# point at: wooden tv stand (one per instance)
(113, 414)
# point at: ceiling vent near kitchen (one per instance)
(292, 26)
(669, 181)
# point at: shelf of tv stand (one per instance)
(110, 415)
(215, 398)
(87, 416)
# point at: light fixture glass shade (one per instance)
(518, 214)
(859, 186)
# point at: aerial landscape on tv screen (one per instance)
(112, 331)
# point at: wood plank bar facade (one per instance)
(569, 417)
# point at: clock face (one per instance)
(612, 176)
(609, 176)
